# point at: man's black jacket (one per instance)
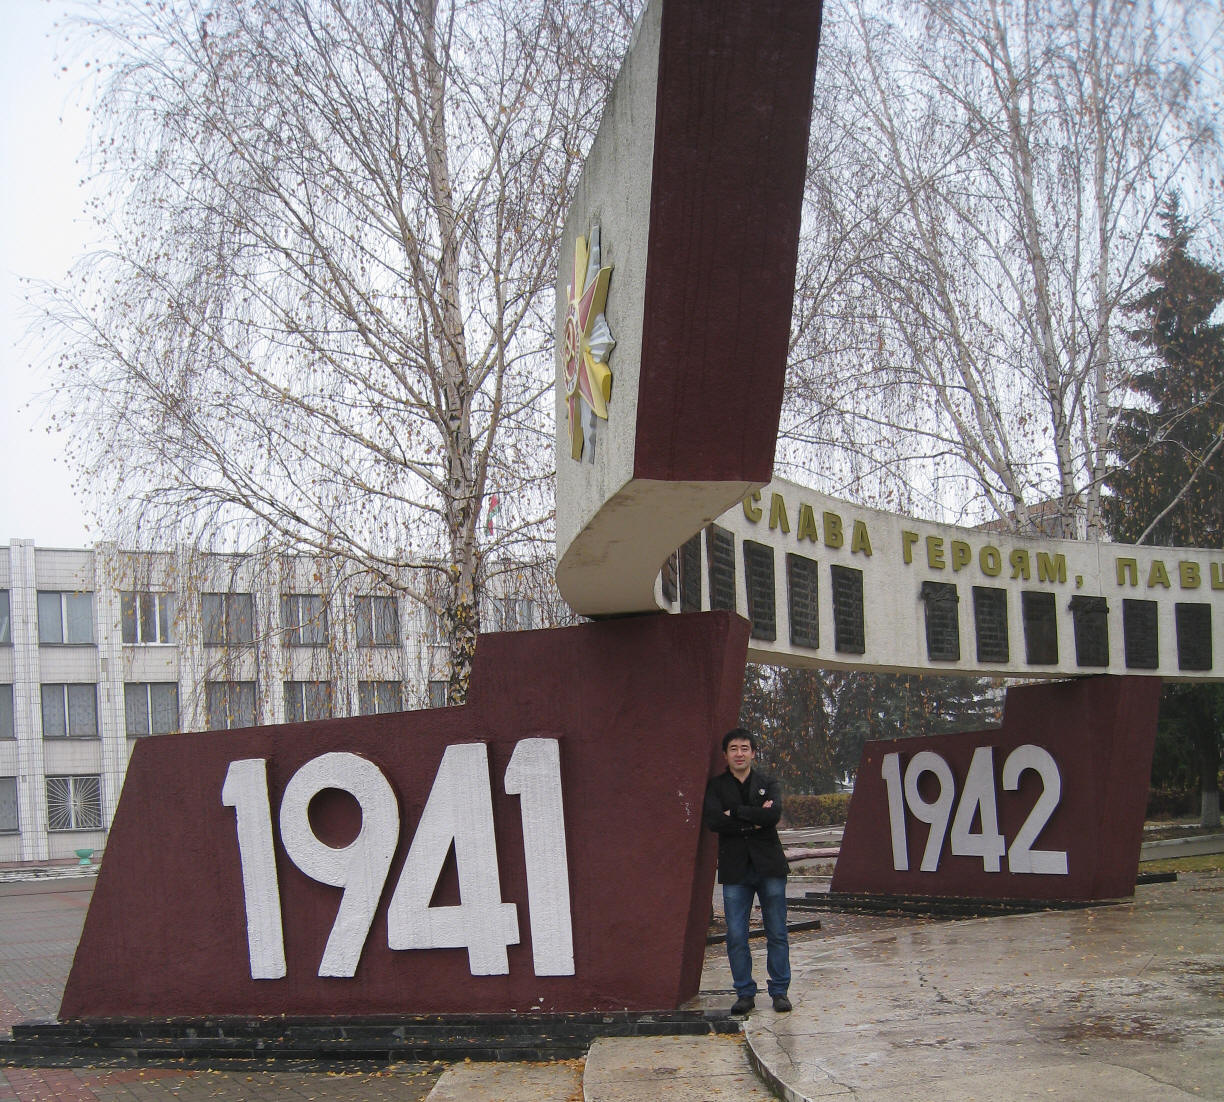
(748, 837)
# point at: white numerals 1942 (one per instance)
(458, 812)
(978, 801)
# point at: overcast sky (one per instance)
(42, 228)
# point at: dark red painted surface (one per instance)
(731, 130)
(638, 706)
(1100, 731)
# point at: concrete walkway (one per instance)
(1181, 847)
(1115, 1002)
(629, 1069)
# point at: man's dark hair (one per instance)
(739, 733)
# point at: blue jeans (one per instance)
(737, 903)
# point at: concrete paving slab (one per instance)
(671, 1069)
(555, 1082)
(1117, 1002)
(1029, 1085)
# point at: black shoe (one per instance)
(743, 1004)
(781, 1004)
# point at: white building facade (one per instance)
(101, 647)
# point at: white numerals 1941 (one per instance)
(458, 813)
(978, 802)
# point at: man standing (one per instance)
(743, 808)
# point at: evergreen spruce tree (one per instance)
(1168, 487)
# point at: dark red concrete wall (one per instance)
(1100, 731)
(638, 706)
(731, 131)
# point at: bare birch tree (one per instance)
(325, 320)
(985, 182)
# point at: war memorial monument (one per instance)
(500, 856)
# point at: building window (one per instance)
(229, 704)
(65, 618)
(8, 806)
(304, 619)
(151, 708)
(70, 711)
(437, 693)
(6, 619)
(6, 712)
(74, 803)
(376, 697)
(306, 700)
(147, 617)
(513, 613)
(377, 622)
(229, 618)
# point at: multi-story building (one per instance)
(101, 647)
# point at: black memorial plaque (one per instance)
(849, 634)
(1091, 618)
(1193, 636)
(759, 586)
(1040, 628)
(668, 577)
(1140, 634)
(690, 575)
(802, 583)
(990, 623)
(942, 621)
(720, 552)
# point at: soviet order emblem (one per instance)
(587, 340)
